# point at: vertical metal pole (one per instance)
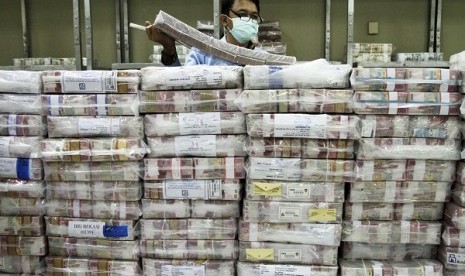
(432, 26)
(328, 29)
(25, 34)
(350, 30)
(438, 26)
(125, 30)
(216, 19)
(77, 35)
(118, 30)
(89, 42)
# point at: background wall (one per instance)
(404, 23)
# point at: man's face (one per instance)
(241, 7)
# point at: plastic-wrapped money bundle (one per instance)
(461, 173)
(295, 100)
(393, 252)
(371, 52)
(189, 249)
(303, 126)
(267, 190)
(197, 77)
(96, 190)
(21, 168)
(403, 148)
(452, 236)
(420, 267)
(220, 100)
(22, 226)
(94, 248)
(455, 215)
(22, 125)
(92, 228)
(33, 265)
(20, 104)
(458, 194)
(389, 211)
(304, 233)
(197, 145)
(21, 188)
(20, 146)
(399, 192)
(418, 57)
(245, 269)
(291, 212)
(445, 127)
(23, 246)
(378, 79)
(98, 149)
(66, 265)
(309, 75)
(91, 105)
(121, 210)
(392, 232)
(159, 267)
(433, 79)
(61, 126)
(18, 206)
(215, 189)
(287, 253)
(452, 258)
(159, 209)
(419, 211)
(411, 103)
(188, 229)
(95, 171)
(21, 82)
(91, 81)
(173, 124)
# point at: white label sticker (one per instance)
(429, 270)
(185, 189)
(102, 105)
(298, 191)
(456, 259)
(289, 255)
(200, 123)
(275, 168)
(98, 126)
(54, 104)
(12, 124)
(377, 268)
(284, 270)
(5, 146)
(86, 229)
(204, 145)
(8, 168)
(290, 213)
(82, 81)
(300, 126)
(214, 188)
(2, 263)
(404, 231)
(369, 128)
(171, 270)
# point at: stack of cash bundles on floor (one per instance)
(194, 173)
(22, 232)
(300, 147)
(92, 170)
(405, 166)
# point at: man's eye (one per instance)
(243, 15)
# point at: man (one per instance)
(240, 19)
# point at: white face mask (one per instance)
(244, 31)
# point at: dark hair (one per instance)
(226, 5)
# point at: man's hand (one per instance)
(158, 36)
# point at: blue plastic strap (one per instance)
(22, 168)
(115, 231)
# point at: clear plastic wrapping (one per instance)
(120, 210)
(292, 169)
(419, 211)
(34, 265)
(158, 267)
(93, 171)
(189, 249)
(455, 215)
(295, 100)
(191, 77)
(91, 105)
(194, 168)
(22, 188)
(263, 190)
(219, 100)
(217, 189)
(20, 104)
(16, 206)
(197, 145)
(452, 258)
(20, 147)
(23, 246)
(22, 226)
(405, 79)
(321, 126)
(291, 212)
(391, 232)
(460, 173)
(159, 209)
(95, 190)
(405, 170)
(61, 126)
(72, 266)
(267, 252)
(92, 228)
(94, 248)
(173, 124)
(304, 233)
(452, 236)
(407, 103)
(444, 127)
(308, 75)
(97, 149)
(399, 192)
(389, 211)
(189, 229)
(392, 252)
(22, 125)
(21, 82)
(403, 148)
(296, 147)
(21, 168)
(94, 81)
(369, 211)
(421, 267)
(247, 269)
